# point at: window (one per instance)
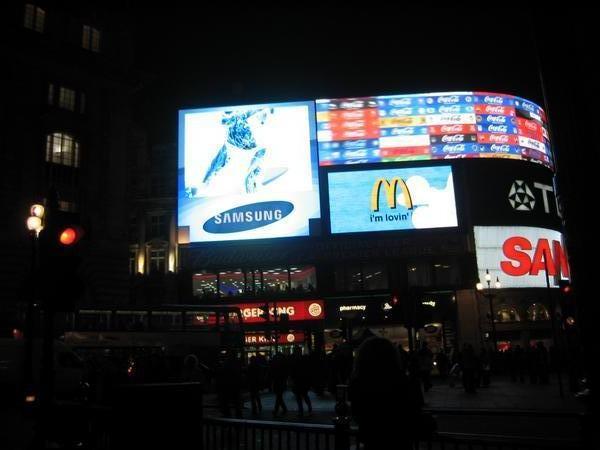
(231, 283)
(375, 276)
(35, 18)
(304, 279)
(62, 148)
(445, 274)
(157, 260)
(132, 261)
(275, 280)
(507, 314)
(204, 284)
(90, 39)
(537, 312)
(158, 226)
(66, 98)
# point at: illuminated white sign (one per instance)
(353, 308)
(521, 256)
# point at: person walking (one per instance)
(254, 381)
(385, 408)
(278, 375)
(300, 377)
(425, 357)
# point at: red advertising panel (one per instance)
(295, 309)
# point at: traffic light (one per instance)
(60, 260)
(264, 312)
(567, 304)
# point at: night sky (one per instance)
(248, 54)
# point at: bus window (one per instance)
(166, 320)
(131, 321)
(93, 320)
(199, 319)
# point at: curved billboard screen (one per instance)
(447, 125)
(247, 172)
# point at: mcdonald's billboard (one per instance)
(392, 199)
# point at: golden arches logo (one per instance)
(391, 190)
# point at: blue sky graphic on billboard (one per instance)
(443, 125)
(392, 199)
(248, 172)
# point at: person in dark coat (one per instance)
(386, 409)
(278, 374)
(300, 376)
(255, 381)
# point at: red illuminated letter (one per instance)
(560, 259)
(542, 259)
(511, 250)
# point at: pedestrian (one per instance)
(278, 375)
(543, 363)
(485, 367)
(425, 357)
(520, 363)
(468, 365)
(192, 371)
(300, 378)
(229, 385)
(386, 410)
(255, 381)
(442, 362)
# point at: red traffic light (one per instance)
(70, 235)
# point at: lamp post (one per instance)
(35, 224)
(489, 295)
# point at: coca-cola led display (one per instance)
(445, 125)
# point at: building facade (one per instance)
(442, 204)
(66, 118)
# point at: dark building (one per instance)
(66, 119)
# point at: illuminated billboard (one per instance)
(445, 125)
(247, 172)
(391, 199)
(521, 256)
(295, 309)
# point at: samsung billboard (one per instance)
(521, 257)
(247, 172)
(391, 199)
(444, 125)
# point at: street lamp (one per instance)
(489, 295)
(35, 224)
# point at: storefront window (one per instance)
(231, 283)
(375, 276)
(418, 274)
(303, 279)
(507, 314)
(205, 285)
(537, 311)
(254, 281)
(275, 280)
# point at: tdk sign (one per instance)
(248, 217)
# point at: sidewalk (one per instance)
(502, 394)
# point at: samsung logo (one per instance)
(248, 217)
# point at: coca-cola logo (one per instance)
(401, 102)
(494, 109)
(449, 109)
(451, 129)
(499, 138)
(498, 128)
(448, 100)
(401, 112)
(496, 119)
(493, 99)
(455, 138)
(500, 148)
(454, 148)
(403, 131)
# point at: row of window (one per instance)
(231, 283)
(34, 18)
(534, 313)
